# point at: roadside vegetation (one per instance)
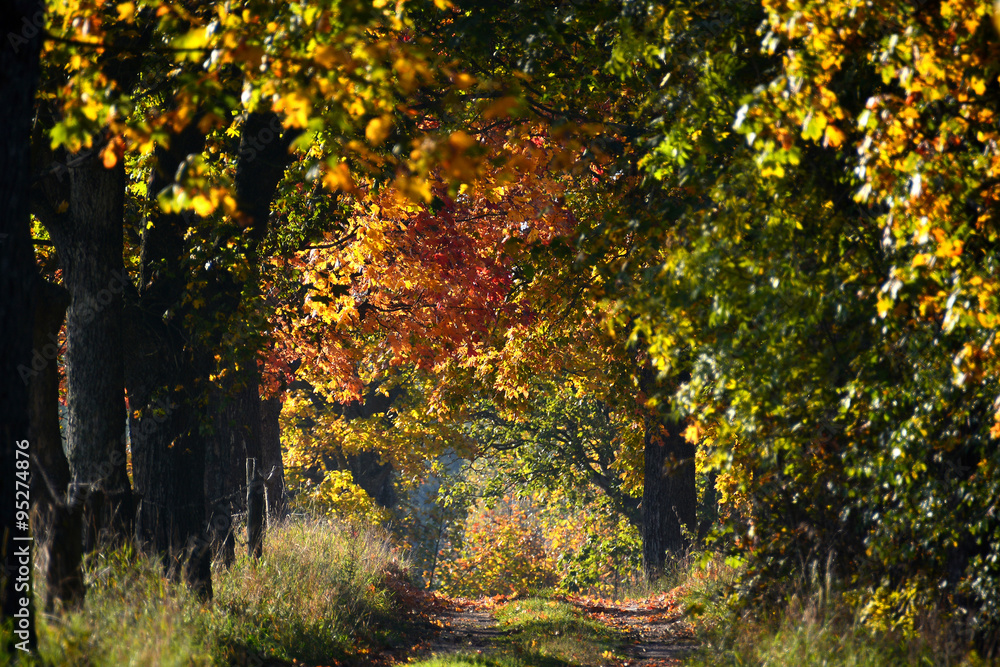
(323, 593)
(816, 623)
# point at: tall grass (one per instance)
(815, 627)
(320, 594)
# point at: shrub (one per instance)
(502, 552)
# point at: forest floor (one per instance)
(559, 631)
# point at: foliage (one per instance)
(322, 591)
(603, 558)
(492, 207)
(502, 551)
(337, 496)
(816, 627)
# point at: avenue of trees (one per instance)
(610, 238)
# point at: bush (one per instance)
(502, 552)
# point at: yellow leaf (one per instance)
(338, 177)
(203, 206)
(461, 140)
(326, 56)
(834, 137)
(463, 81)
(297, 108)
(378, 129)
(126, 11)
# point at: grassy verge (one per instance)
(817, 629)
(322, 594)
(543, 633)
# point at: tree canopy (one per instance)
(595, 241)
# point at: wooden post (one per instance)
(255, 510)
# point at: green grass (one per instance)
(542, 633)
(816, 629)
(319, 594)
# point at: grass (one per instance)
(814, 629)
(557, 630)
(322, 593)
(543, 633)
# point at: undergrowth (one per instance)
(320, 593)
(816, 626)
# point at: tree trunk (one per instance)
(168, 450)
(21, 24)
(57, 518)
(669, 494)
(172, 359)
(166, 377)
(236, 437)
(89, 242)
(270, 433)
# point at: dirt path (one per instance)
(657, 632)
(466, 629)
(660, 634)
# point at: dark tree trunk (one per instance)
(165, 378)
(21, 24)
(374, 475)
(89, 241)
(669, 494)
(168, 451)
(270, 435)
(171, 358)
(57, 518)
(367, 468)
(236, 437)
(169, 471)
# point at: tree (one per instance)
(19, 66)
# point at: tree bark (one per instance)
(170, 455)
(165, 380)
(89, 242)
(57, 518)
(236, 437)
(21, 24)
(669, 494)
